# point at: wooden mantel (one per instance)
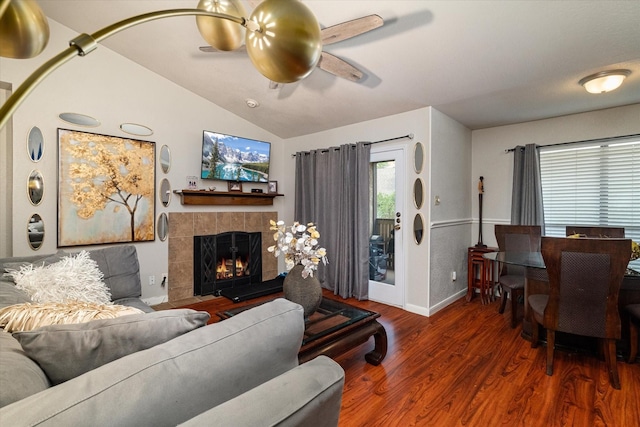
(204, 197)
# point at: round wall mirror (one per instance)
(35, 187)
(418, 157)
(418, 228)
(35, 144)
(165, 159)
(165, 192)
(35, 231)
(418, 192)
(79, 119)
(163, 226)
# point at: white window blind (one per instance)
(592, 183)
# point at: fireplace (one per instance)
(226, 260)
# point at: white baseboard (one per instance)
(453, 298)
(155, 300)
(417, 309)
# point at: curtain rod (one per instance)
(409, 136)
(511, 150)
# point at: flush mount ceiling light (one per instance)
(282, 37)
(604, 81)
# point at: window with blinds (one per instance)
(592, 183)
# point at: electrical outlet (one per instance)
(152, 280)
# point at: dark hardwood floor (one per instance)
(465, 366)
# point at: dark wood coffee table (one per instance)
(335, 328)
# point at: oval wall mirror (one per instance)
(35, 187)
(136, 129)
(418, 228)
(35, 144)
(79, 119)
(163, 226)
(418, 192)
(165, 192)
(418, 157)
(35, 232)
(165, 158)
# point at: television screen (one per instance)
(231, 158)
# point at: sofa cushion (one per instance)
(121, 270)
(28, 316)
(177, 380)
(73, 278)
(19, 376)
(66, 351)
(10, 295)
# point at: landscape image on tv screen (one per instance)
(232, 158)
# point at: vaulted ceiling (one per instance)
(483, 63)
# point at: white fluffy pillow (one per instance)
(73, 278)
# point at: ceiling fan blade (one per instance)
(211, 49)
(348, 29)
(339, 67)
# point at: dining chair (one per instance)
(514, 238)
(633, 311)
(595, 232)
(585, 276)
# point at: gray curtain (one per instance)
(332, 191)
(526, 196)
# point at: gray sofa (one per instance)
(240, 372)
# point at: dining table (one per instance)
(537, 282)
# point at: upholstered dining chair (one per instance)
(633, 311)
(514, 238)
(595, 232)
(585, 276)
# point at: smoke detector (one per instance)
(251, 103)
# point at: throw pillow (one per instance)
(28, 316)
(73, 278)
(67, 351)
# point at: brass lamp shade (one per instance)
(24, 30)
(221, 33)
(288, 46)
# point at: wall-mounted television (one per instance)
(232, 158)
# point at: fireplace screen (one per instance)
(226, 260)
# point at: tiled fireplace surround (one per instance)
(184, 225)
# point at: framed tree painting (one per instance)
(106, 189)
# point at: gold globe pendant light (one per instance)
(24, 29)
(221, 33)
(287, 47)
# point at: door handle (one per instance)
(396, 227)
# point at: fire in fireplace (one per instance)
(226, 260)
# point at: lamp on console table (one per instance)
(480, 193)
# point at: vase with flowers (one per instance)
(302, 254)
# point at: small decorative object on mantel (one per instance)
(480, 194)
(299, 244)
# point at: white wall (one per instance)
(491, 161)
(451, 219)
(115, 90)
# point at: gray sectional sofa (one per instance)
(240, 372)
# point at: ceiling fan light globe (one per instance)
(221, 33)
(288, 46)
(24, 29)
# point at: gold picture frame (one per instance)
(106, 189)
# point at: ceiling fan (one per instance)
(334, 34)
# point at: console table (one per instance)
(480, 273)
